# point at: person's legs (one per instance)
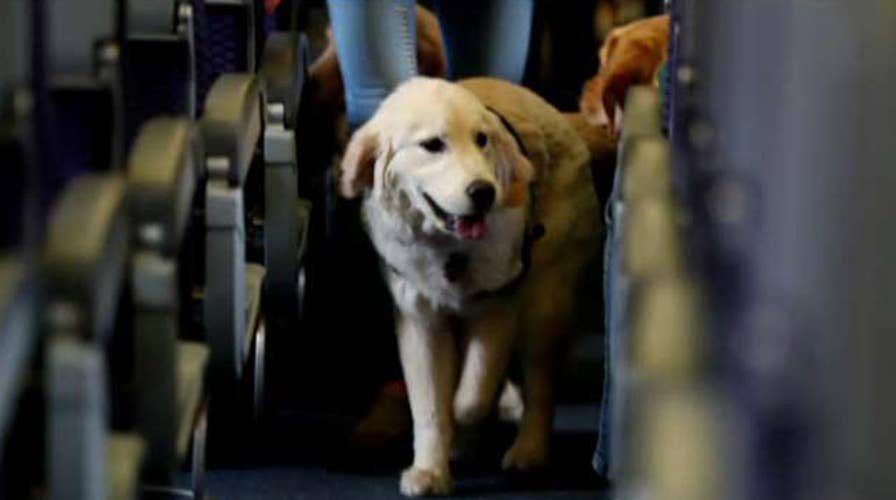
(486, 37)
(376, 43)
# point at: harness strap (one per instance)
(534, 231)
(509, 127)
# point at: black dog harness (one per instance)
(534, 232)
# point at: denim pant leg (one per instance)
(486, 37)
(377, 45)
(609, 447)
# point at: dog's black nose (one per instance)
(482, 193)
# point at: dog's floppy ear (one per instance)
(515, 172)
(356, 169)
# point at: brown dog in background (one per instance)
(631, 55)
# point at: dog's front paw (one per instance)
(416, 482)
(526, 454)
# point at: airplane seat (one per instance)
(22, 98)
(231, 126)
(92, 447)
(84, 268)
(164, 169)
(287, 216)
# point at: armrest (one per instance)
(643, 114)
(86, 250)
(653, 241)
(647, 170)
(283, 68)
(124, 457)
(162, 174)
(232, 125)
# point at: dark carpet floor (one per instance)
(306, 465)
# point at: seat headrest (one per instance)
(162, 174)
(232, 125)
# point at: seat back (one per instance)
(232, 126)
(85, 253)
(159, 69)
(83, 263)
(83, 59)
(231, 28)
(163, 172)
(16, 123)
(283, 69)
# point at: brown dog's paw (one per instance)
(591, 102)
(525, 455)
(416, 482)
(387, 422)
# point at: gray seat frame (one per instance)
(286, 216)
(232, 126)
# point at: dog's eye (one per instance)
(481, 139)
(434, 145)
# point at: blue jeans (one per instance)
(376, 42)
(486, 37)
(607, 457)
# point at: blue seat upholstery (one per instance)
(231, 36)
(159, 67)
(85, 90)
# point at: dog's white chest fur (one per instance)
(430, 269)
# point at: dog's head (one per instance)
(434, 144)
(631, 55)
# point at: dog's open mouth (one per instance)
(468, 227)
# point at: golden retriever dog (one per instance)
(478, 198)
(631, 55)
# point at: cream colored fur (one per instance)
(455, 348)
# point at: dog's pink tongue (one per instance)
(472, 229)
